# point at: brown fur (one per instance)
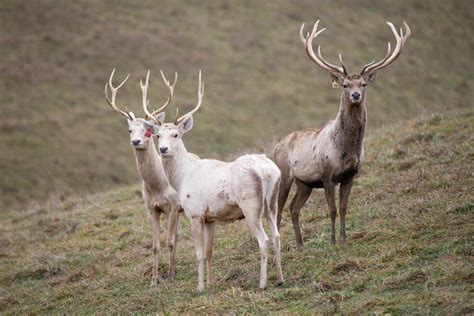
(335, 152)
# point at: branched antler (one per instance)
(390, 57)
(145, 101)
(198, 105)
(111, 102)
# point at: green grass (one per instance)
(410, 245)
(58, 136)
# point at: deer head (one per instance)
(139, 135)
(353, 85)
(169, 134)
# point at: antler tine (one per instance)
(373, 65)
(342, 64)
(114, 90)
(303, 38)
(367, 65)
(391, 57)
(171, 89)
(199, 102)
(329, 65)
(145, 101)
(177, 115)
(308, 42)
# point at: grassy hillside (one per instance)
(58, 135)
(410, 245)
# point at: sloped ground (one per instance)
(58, 136)
(410, 249)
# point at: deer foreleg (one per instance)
(197, 227)
(173, 218)
(331, 200)
(344, 192)
(155, 228)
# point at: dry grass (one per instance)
(57, 135)
(410, 248)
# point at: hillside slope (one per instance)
(58, 135)
(410, 250)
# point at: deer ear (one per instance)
(150, 126)
(336, 78)
(160, 117)
(187, 124)
(370, 77)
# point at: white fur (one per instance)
(214, 191)
(158, 194)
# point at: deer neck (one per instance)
(349, 127)
(150, 168)
(176, 166)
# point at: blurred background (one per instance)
(59, 137)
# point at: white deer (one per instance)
(323, 158)
(157, 192)
(213, 191)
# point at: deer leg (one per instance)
(209, 232)
(197, 228)
(254, 222)
(331, 200)
(302, 194)
(155, 229)
(344, 192)
(285, 187)
(271, 219)
(173, 218)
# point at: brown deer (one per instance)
(324, 158)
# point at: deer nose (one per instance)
(163, 149)
(356, 95)
(135, 142)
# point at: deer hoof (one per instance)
(154, 282)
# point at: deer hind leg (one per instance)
(197, 224)
(173, 218)
(257, 230)
(271, 215)
(331, 200)
(344, 192)
(253, 217)
(285, 187)
(209, 232)
(155, 229)
(302, 194)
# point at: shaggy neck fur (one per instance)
(349, 126)
(150, 168)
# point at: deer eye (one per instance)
(364, 85)
(175, 136)
(129, 130)
(345, 86)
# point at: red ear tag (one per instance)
(148, 133)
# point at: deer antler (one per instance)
(390, 57)
(198, 105)
(319, 60)
(111, 102)
(145, 101)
